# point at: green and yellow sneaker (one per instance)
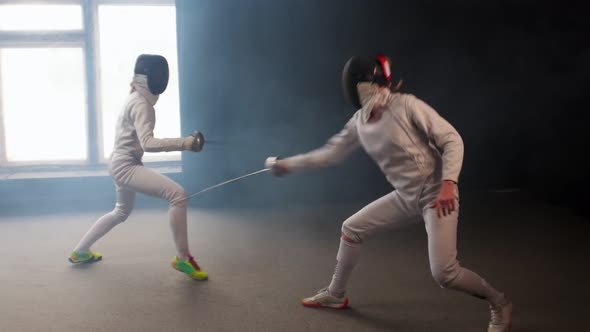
(84, 257)
(190, 268)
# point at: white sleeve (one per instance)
(441, 133)
(144, 121)
(336, 149)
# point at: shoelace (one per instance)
(496, 315)
(323, 290)
(83, 255)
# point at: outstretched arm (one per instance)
(336, 149)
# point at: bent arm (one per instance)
(441, 133)
(144, 121)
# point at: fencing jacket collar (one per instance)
(140, 85)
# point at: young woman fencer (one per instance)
(134, 136)
(421, 155)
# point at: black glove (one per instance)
(198, 142)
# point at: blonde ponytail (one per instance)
(396, 88)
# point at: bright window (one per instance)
(43, 103)
(65, 69)
(40, 17)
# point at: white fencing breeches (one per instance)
(137, 178)
(392, 211)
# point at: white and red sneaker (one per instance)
(323, 299)
(501, 317)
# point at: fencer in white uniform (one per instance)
(134, 136)
(421, 155)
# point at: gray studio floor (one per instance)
(261, 263)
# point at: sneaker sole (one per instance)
(344, 305)
(92, 260)
(179, 270)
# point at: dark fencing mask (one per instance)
(155, 67)
(364, 69)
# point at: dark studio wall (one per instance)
(265, 76)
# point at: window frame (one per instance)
(87, 39)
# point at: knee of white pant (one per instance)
(178, 197)
(352, 232)
(444, 275)
(122, 212)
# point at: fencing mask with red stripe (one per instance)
(364, 69)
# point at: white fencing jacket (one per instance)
(135, 126)
(134, 133)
